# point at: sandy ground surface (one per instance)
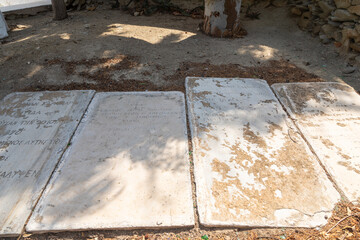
(109, 50)
(156, 45)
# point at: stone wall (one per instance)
(334, 21)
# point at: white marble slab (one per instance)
(127, 167)
(252, 168)
(328, 114)
(35, 129)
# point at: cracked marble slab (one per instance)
(252, 167)
(35, 128)
(127, 167)
(328, 114)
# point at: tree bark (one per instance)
(222, 18)
(59, 9)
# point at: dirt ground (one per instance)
(123, 52)
(109, 50)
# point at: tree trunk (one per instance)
(59, 9)
(222, 18)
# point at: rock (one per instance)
(328, 30)
(136, 14)
(279, 3)
(348, 70)
(351, 56)
(342, 3)
(338, 35)
(304, 20)
(357, 60)
(357, 28)
(302, 7)
(296, 11)
(354, 9)
(355, 47)
(342, 15)
(336, 24)
(326, 8)
(349, 33)
(316, 29)
(324, 39)
(347, 25)
(355, 2)
(314, 9)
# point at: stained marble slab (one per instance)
(328, 114)
(127, 167)
(35, 129)
(251, 165)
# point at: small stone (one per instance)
(347, 25)
(336, 24)
(302, 7)
(351, 56)
(355, 47)
(326, 8)
(342, 15)
(136, 14)
(304, 20)
(349, 33)
(314, 9)
(355, 9)
(338, 35)
(324, 39)
(316, 29)
(296, 11)
(279, 3)
(357, 60)
(342, 3)
(87, 26)
(348, 70)
(328, 30)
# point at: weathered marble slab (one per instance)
(328, 114)
(127, 167)
(252, 168)
(35, 129)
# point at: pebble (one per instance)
(348, 70)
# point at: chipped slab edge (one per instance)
(199, 179)
(276, 87)
(97, 97)
(91, 94)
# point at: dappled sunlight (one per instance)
(130, 157)
(20, 27)
(31, 37)
(157, 36)
(34, 71)
(65, 36)
(260, 51)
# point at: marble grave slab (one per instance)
(35, 129)
(328, 114)
(127, 167)
(251, 166)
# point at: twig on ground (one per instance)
(341, 220)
